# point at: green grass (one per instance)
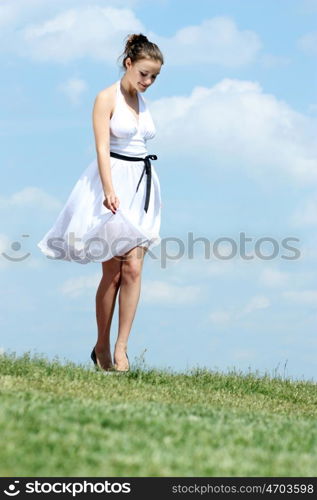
(68, 420)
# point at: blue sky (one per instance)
(235, 109)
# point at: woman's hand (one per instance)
(111, 202)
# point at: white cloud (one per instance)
(90, 31)
(306, 297)
(224, 316)
(151, 291)
(255, 303)
(308, 43)
(73, 88)
(215, 41)
(235, 124)
(18, 12)
(72, 30)
(31, 196)
(169, 294)
(76, 287)
(273, 277)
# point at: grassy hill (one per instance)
(62, 419)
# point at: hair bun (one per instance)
(135, 39)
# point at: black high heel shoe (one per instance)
(94, 358)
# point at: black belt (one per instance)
(147, 169)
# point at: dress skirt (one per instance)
(86, 231)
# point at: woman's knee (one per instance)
(131, 269)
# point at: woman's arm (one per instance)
(101, 125)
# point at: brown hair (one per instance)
(139, 47)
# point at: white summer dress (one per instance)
(85, 230)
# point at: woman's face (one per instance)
(143, 72)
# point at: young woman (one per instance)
(114, 209)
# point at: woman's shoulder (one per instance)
(105, 99)
(106, 92)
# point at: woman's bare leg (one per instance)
(130, 287)
(105, 304)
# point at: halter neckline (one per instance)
(137, 120)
